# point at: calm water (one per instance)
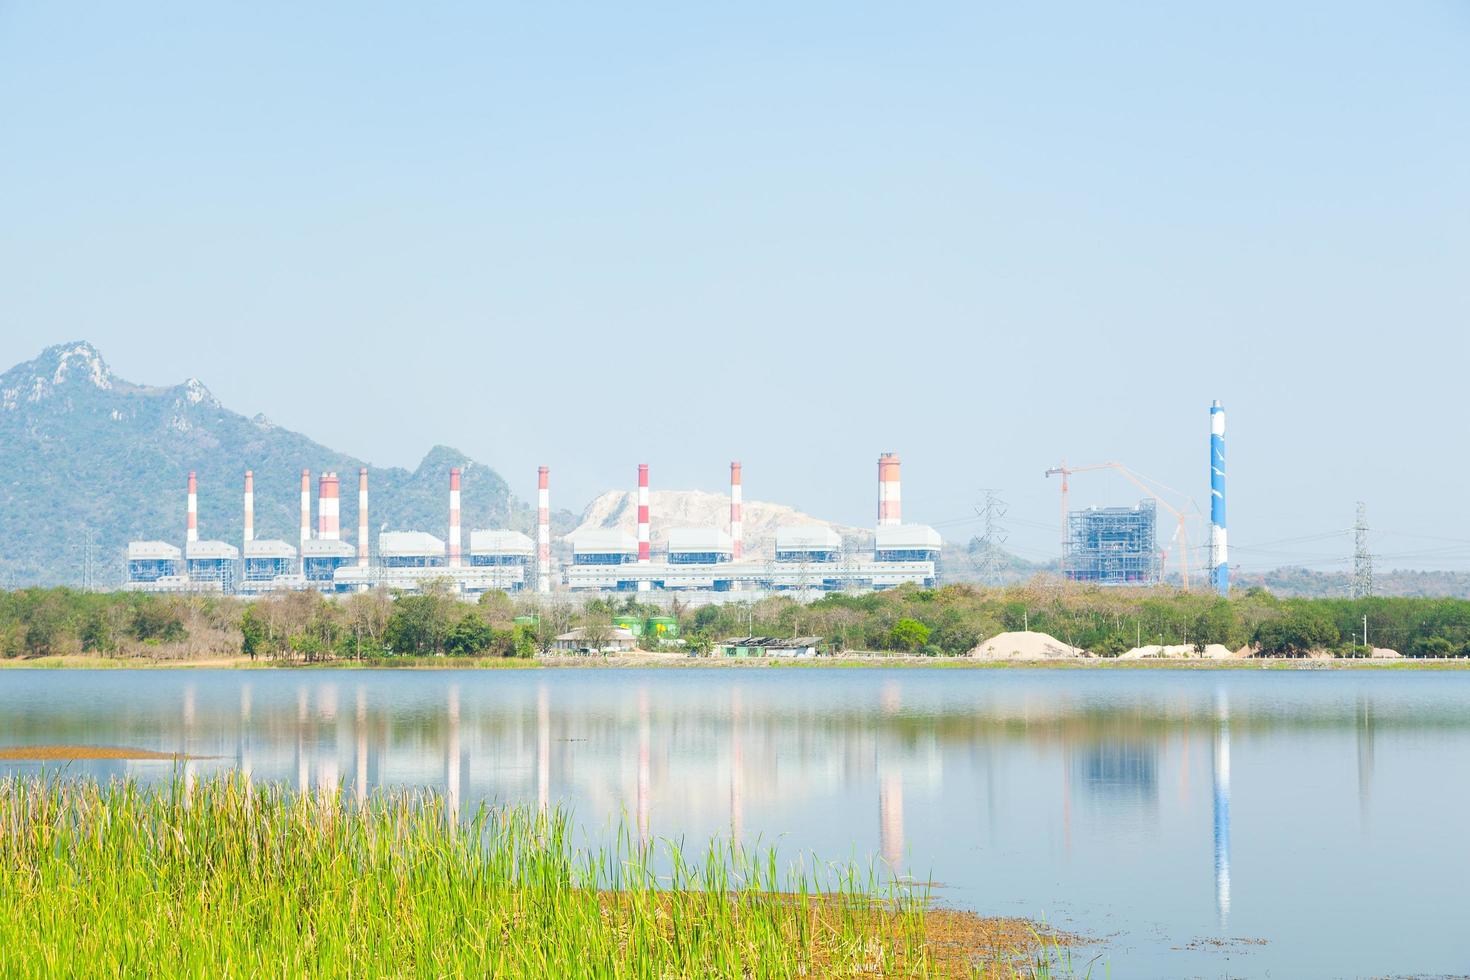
(1171, 813)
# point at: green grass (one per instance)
(229, 879)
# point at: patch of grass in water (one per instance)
(227, 878)
(71, 753)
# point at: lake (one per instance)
(1197, 823)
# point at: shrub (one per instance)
(908, 634)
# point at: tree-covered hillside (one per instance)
(86, 456)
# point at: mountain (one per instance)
(89, 461)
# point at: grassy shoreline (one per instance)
(637, 661)
(228, 878)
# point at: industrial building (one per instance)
(699, 546)
(211, 565)
(712, 559)
(1113, 546)
(266, 562)
(807, 557)
(154, 562)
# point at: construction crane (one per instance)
(1180, 536)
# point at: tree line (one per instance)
(946, 621)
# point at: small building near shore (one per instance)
(769, 646)
(617, 639)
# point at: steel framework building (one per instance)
(1113, 545)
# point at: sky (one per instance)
(986, 236)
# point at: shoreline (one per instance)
(677, 661)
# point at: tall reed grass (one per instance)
(229, 879)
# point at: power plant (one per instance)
(1109, 546)
(708, 559)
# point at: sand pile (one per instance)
(1178, 651)
(1020, 645)
(1384, 653)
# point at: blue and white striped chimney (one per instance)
(1219, 558)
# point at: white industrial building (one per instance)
(810, 557)
(699, 546)
(411, 549)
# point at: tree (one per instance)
(418, 625)
(367, 618)
(471, 635)
(1298, 631)
(252, 633)
(153, 620)
(908, 634)
(1217, 624)
(523, 641)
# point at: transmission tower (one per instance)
(987, 555)
(1362, 558)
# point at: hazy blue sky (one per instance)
(986, 236)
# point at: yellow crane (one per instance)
(1181, 537)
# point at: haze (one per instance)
(984, 236)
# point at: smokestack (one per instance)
(454, 517)
(305, 510)
(1219, 557)
(890, 499)
(249, 506)
(362, 519)
(192, 533)
(737, 530)
(644, 556)
(543, 531)
(329, 508)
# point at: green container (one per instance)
(663, 627)
(632, 624)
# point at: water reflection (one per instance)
(970, 776)
(1221, 797)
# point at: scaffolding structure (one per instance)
(1113, 545)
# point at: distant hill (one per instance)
(85, 454)
(1307, 583)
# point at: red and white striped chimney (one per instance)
(644, 547)
(890, 498)
(191, 533)
(737, 528)
(454, 517)
(362, 519)
(543, 531)
(249, 506)
(329, 508)
(305, 508)
(644, 554)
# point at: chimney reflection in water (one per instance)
(1222, 809)
(359, 781)
(301, 760)
(643, 738)
(543, 748)
(890, 789)
(737, 763)
(451, 755)
(327, 771)
(188, 745)
(243, 750)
